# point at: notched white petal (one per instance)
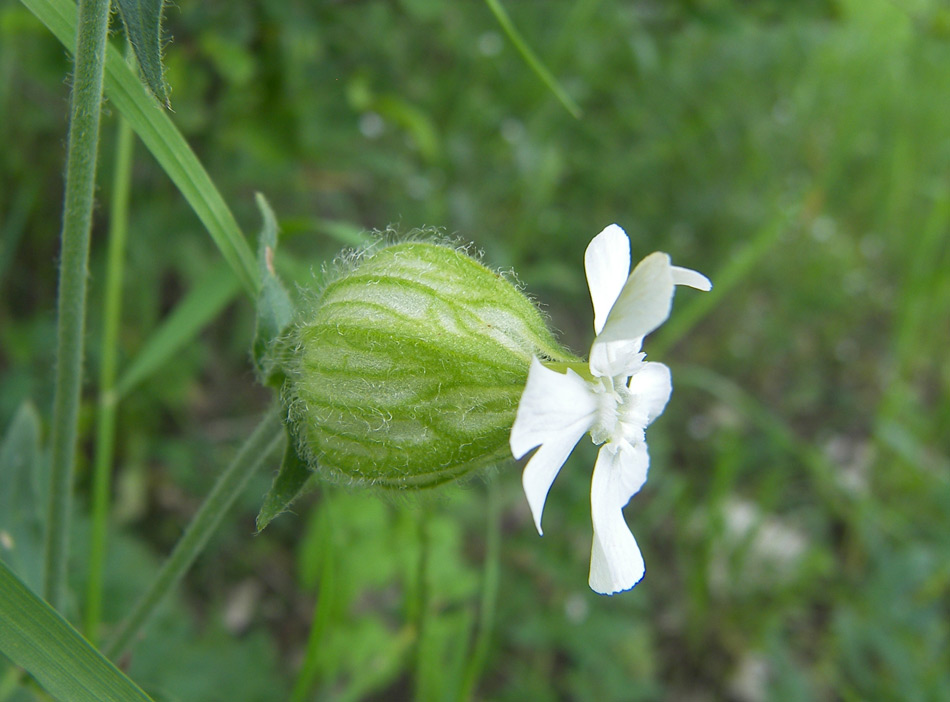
(607, 263)
(651, 385)
(555, 411)
(644, 302)
(542, 469)
(551, 403)
(691, 278)
(616, 563)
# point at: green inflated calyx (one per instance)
(409, 371)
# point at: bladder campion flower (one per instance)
(614, 397)
(408, 369)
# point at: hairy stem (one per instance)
(74, 256)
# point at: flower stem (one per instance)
(74, 256)
(265, 442)
(105, 420)
(422, 603)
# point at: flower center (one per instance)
(613, 400)
(620, 414)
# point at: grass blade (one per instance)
(106, 410)
(534, 63)
(34, 636)
(199, 306)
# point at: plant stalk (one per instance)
(81, 156)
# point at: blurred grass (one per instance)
(794, 525)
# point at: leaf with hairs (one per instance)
(143, 25)
(274, 307)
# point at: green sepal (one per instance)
(275, 309)
(21, 499)
(291, 481)
(143, 26)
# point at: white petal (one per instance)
(652, 386)
(616, 563)
(555, 411)
(613, 358)
(607, 262)
(644, 302)
(551, 403)
(691, 278)
(542, 469)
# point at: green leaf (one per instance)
(274, 308)
(34, 636)
(290, 483)
(160, 136)
(143, 25)
(21, 502)
(202, 304)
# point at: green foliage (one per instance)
(794, 523)
(290, 481)
(163, 139)
(37, 638)
(274, 307)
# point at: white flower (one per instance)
(614, 397)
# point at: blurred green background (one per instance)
(796, 524)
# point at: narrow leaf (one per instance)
(143, 25)
(534, 63)
(21, 502)
(274, 308)
(34, 636)
(202, 304)
(290, 483)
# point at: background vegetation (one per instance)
(795, 524)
